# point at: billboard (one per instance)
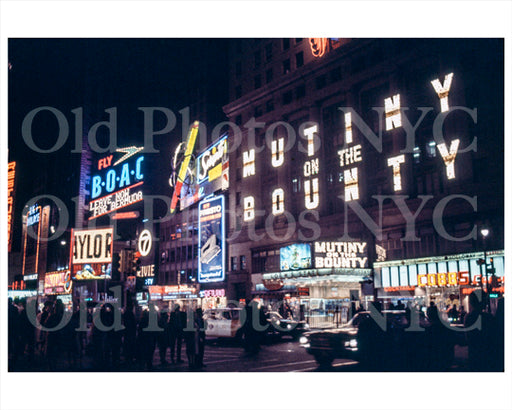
(296, 256)
(211, 173)
(211, 240)
(91, 253)
(116, 185)
(329, 254)
(11, 173)
(57, 283)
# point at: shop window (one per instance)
(243, 262)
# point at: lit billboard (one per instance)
(334, 254)
(57, 283)
(11, 173)
(211, 173)
(211, 240)
(116, 185)
(91, 253)
(296, 256)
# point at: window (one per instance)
(321, 82)
(286, 43)
(298, 40)
(238, 198)
(258, 111)
(286, 66)
(287, 97)
(268, 52)
(238, 92)
(238, 120)
(257, 81)
(243, 262)
(269, 75)
(335, 74)
(416, 155)
(257, 58)
(300, 91)
(296, 185)
(270, 105)
(238, 69)
(299, 59)
(431, 149)
(234, 265)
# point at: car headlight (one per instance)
(278, 322)
(306, 326)
(351, 343)
(303, 340)
(288, 326)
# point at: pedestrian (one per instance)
(55, 335)
(200, 334)
(453, 313)
(163, 338)
(27, 332)
(432, 312)
(13, 334)
(176, 326)
(130, 333)
(146, 340)
(478, 337)
(462, 313)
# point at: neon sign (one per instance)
(278, 201)
(277, 153)
(249, 163)
(318, 46)
(11, 173)
(91, 253)
(397, 178)
(311, 167)
(392, 110)
(56, 283)
(212, 236)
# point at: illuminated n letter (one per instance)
(311, 195)
(392, 110)
(449, 157)
(277, 152)
(278, 201)
(249, 208)
(395, 163)
(443, 90)
(351, 184)
(249, 163)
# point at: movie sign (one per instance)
(91, 253)
(341, 254)
(57, 283)
(211, 240)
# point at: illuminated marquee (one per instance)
(119, 185)
(57, 283)
(11, 173)
(348, 157)
(340, 255)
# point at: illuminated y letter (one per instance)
(449, 157)
(442, 91)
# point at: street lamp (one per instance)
(485, 232)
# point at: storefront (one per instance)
(445, 280)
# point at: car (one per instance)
(279, 326)
(367, 336)
(223, 323)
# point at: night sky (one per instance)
(98, 74)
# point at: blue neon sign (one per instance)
(116, 179)
(212, 237)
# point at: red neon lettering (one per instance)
(105, 162)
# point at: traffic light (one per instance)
(116, 264)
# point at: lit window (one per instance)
(431, 149)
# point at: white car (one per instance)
(223, 322)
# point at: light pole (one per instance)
(485, 232)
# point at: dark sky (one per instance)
(97, 74)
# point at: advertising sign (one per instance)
(11, 173)
(57, 283)
(296, 256)
(116, 185)
(211, 240)
(212, 173)
(172, 292)
(91, 253)
(341, 255)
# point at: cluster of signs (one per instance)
(91, 253)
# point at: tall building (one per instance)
(364, 161)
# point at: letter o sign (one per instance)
(145, 242)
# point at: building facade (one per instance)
(359, 152)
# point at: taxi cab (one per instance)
(223, 323)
